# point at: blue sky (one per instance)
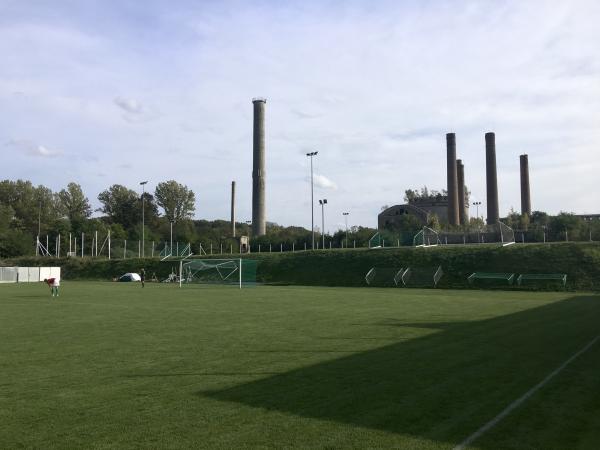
(104, 92)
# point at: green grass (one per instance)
(109, 365)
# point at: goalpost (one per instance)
(238, 271)
(426, 238)
(507, 235)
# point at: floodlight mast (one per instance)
(143, 183)
(323, 203)
(345, 214)
(312, 201)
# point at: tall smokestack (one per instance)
(452, 179)
(460, 176)
(525, 193)
(258, 169)
(493, 213)
(233, 208)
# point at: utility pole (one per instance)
(143, 183)
(323, 203)
(312, 202)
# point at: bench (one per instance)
(508, 277)
(559, 277)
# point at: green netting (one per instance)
(542, 280)
(491, 279)
(220, 271)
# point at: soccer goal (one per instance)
(176, 252)
(375, 241)
(384, 276)
(426, 238)
(422, 276)
(218, 271)
(507, 235)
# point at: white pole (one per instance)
(70, 250)
(180, 271)
(82, 241)
(75, 248)
(153, 249)
(240, 273)
(108, 244)
(96, 243)
(139, 248)
(58, 246)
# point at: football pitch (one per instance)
(112, 365)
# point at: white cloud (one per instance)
(375, 102)
(323, 182)
(30, 148)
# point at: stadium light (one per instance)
(312, 202)
(323, 203)
(476, 204)
(143, 183)
(345, 214)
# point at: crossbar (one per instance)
(562, 277)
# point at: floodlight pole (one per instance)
(345, 214)
(312, 202)
(323, 203)
(171, 249)
(143, 183)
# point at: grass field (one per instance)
(109, 365)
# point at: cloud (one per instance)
(323, 182)
(134, 111)
(129, 105)
(305, 115)
(30, 148)
(375, 102)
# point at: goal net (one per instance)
(507, 235)
(426, 238)
(422, 276)
(384, 276)
(177, 251)
(219, 271)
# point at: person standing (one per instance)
(54, 284)
(143, 276)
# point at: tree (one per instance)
(120, 204)
(176, 200)
(73, 204)
(30, 204)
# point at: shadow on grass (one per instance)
(440, 387)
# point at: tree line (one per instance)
(27, 211)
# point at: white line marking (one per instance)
(521, 399)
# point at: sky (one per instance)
(118, 92)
